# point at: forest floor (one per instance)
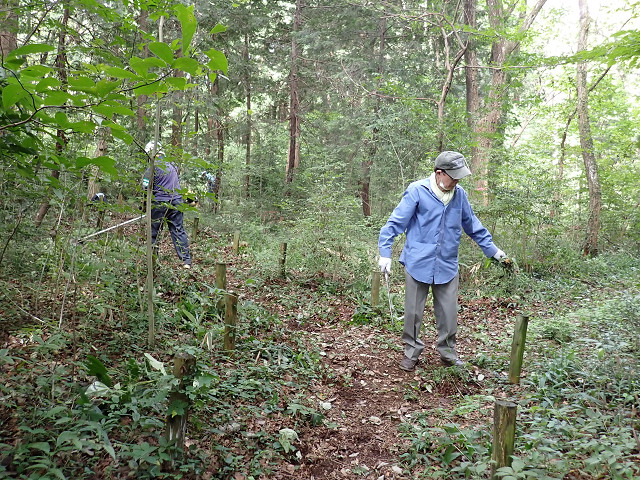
(366, 394)
(366, 399)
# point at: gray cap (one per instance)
(453, 163)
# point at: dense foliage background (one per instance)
(314, 117)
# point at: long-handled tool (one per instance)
(83, 239)
(386, 282)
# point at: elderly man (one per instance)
(166, 202)
(433, 212)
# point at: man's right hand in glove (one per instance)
(385, 265)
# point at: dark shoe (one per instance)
(451, 363)
(408, 365)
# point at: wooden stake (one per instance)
(236, 242)
(194, 234)
(517, 348)
(504, 432)
(230, 322)
(120, 231)
(176, 425)
(375, 289)
(283, 259)
(221, 281)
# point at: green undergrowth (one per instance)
(577, 411)
(89, 401)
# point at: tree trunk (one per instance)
(293, 158)
(590, 246)
(176, 124)
(487, 125)
(93, 186)
(141, 100)
(8, 27)
(450, 65)
(373, 147)
(471, 73)
(61, 143)
(248, 138)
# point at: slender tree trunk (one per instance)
(293, 159)
(487, 125)
(176, 124)
(93, 186)
(450, 65)
(8, 27)
(248, 138)
(373, 147)
(141, 113)
(61, 139)
(471, 73)
(590, 246)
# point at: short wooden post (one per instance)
(230, 322)
(120, 230)
(194, 233)
(283, 260)
(236, 242)
(517, 348)
(176, 425)
(504, 433)
(221, 281)
(375, 289)
(100, 220)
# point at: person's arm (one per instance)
(474, 228)
(398, 221)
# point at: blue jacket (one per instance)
(430, 254)
(165, 181)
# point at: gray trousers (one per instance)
(445, 306)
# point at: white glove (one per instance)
(499, 255)
(385, 265)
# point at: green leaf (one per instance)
(62, 120)
(12, 94)
(57, 97)
(140, 67)
(156, 364)
(47, 83)
(162, 50)
(218, 60)
(109, 109)
(188, 22)
(83, 126)
(188, 65)
(105, 87)
(36, 71)
(120, 73)
(82, 84)
(178, 83)
(122, 135)
(42, 446)
(144, 88)
(94, 366)
(218, 29)
(107, 165)
(32, 48)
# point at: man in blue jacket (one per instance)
(433, 212)
(166, 202)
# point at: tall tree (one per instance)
(8, 27)
(372, 150)
(501, 50)
(249, 127)
(61, 138)
(590, 246)
(293, 157)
